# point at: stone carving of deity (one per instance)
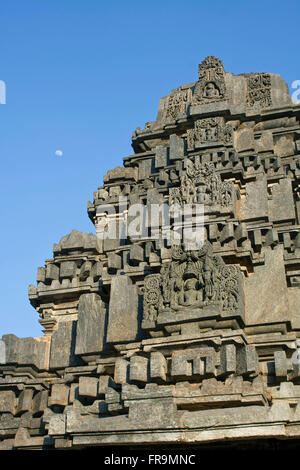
(190, 296)
(211, 91)
(202, 195)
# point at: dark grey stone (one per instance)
(90, 338)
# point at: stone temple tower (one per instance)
(149, 336)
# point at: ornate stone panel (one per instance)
(202, 184)
(178, 103)
(210, 131)
(195, 284)
(259, 90)
(211, 84)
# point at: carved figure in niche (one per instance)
(175, 196)
(211, 91)
(202, 195)
(190, 295)
(226, 194)
(152, 312)
(189, 192)
(203, 185)
(214, 187)
(211, 84)
(229, 301)
(228, 133)
(193, 279)
(209, 130)
(175, 287)
(209, 278)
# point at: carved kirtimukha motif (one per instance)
(259, 89)
(192, 280)
(211, 83)
(201, 184)
(209, 131)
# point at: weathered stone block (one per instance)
(59, 395)
(26, 351)
(241, 232)
(62, 350)
(284, 145)
(85, 270)
(155, 414)
(136, 253)
(294, 306)
(139, 369)
(7, 401)
(265, 143)
(254, 205)
(193, 362)
(213, 232)
(247, 360)
(160, 156)
(57, 425)
(271, 237)
(123, 321)
(40, 401)
(97, 270)
(266, 291)
(74, 392)
(145, 168)
(281, 206)
(41, 274)
(228, 359)
(77, 241)
(25, 401)
(90, 325)
(67, 269)
(2, 352)
(244, 138)
(158, 366)
(121, 373)
(105, 382)
(281, 366)
(52, 272)
(114, 261)
(227, 233)
(88, 387)
(176, 147)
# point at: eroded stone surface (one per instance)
(151, 341)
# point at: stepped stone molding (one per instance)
(148, 339)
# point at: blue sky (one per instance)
(81, 75)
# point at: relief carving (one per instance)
(178, 103)
(211, 83)
(201, 184)
(209, 130)
(259, 89)
(192, 280)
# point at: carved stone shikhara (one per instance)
(148, 339)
